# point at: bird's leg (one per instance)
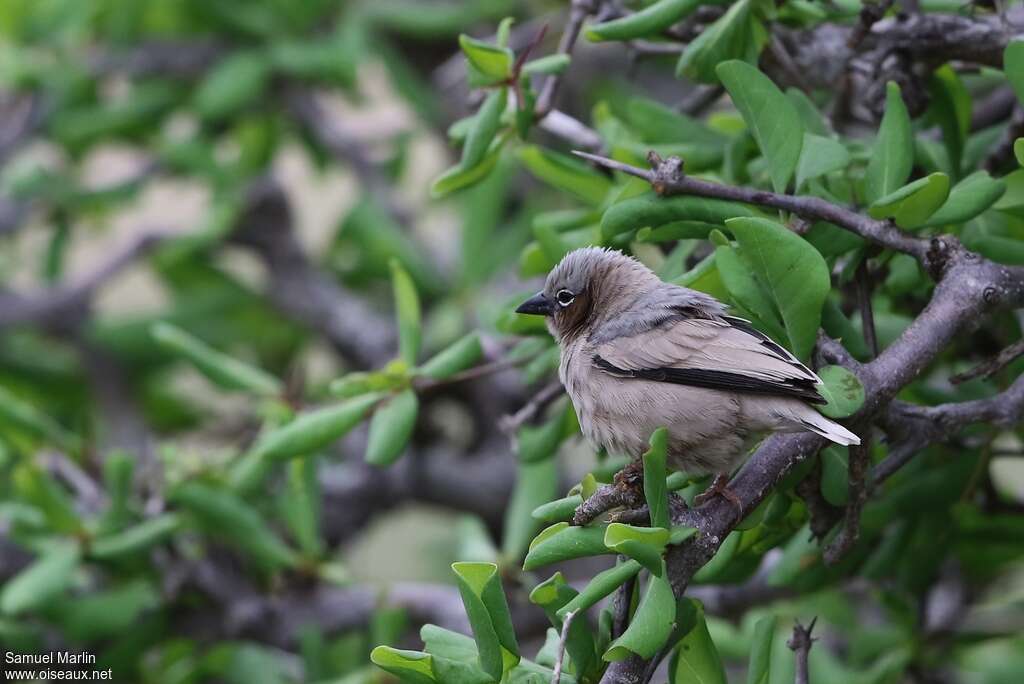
(720, 486)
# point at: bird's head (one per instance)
(587, 285)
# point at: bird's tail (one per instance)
(817, 423)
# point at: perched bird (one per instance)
(638, 353)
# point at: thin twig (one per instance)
(800, 643)
(532, 408)
(699, 99)
(867, 314)
(556, 675)
(667, 178)
(993, 365)
(578, 13)
(858, 462)
(481, 371)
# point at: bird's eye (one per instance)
(565, 297)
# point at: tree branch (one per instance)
(578, 12)
(62, 304)
(969, 287)
(556, 675)
(800, 643)
(667, 179)
(859, 459)
(993, 365)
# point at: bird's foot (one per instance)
(719, 486)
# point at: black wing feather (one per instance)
(804, 390)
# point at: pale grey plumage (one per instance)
(638, 353)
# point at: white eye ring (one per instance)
(564, 298)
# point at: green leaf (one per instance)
(1012, 201)
(27, 418)
(913, 204)
(221, 369)
(793, 275)
(487, 609)
(538, 443)
(409, 666)
(566, 173)
(736, 35)
(235, 82)
(135, 539)
(814, 122)
(558, 510)
(695, 660)
(313, 430)
(552, 595)
(536, 483)
(648, 21)
(746, 292)
(651, 625)
(407, 305)
(892, 155)
(770, 115)
(300, 505)
(655, 491)
(488, 64)
(835, 475)
(561, 542)
(223, 514)
(458, 177)
(657, 123)
(391, 427)
(652, 211)
(109, 612)
(551, 64)
(759, 670)
(1013, 67)
(1018, 150)
(842, 390)
(601, 585)
(951, 107)
(42, 581)
(643, 544)
(818, 157)
(968, 199)
(485, 126)
(460, 355)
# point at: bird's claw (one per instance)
(719, 486)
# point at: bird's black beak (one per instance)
(538, 305)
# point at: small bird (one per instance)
(638, 353)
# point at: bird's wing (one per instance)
(723, 352)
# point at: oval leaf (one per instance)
(892, 155)
(391, 427)
(914, 203)
(770, 115)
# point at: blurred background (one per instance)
(210, 213)
(245, 171)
